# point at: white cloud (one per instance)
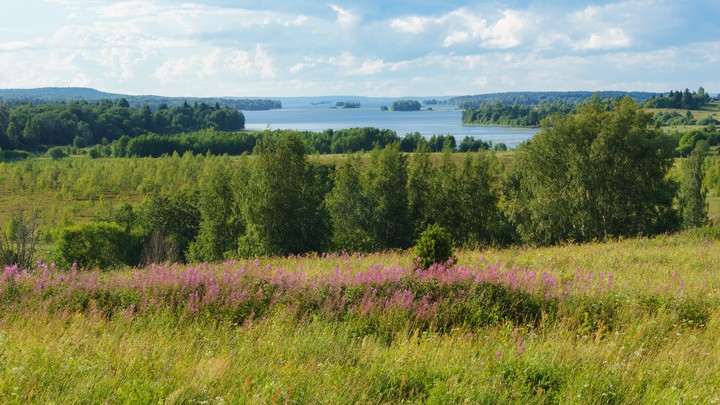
(344, 16)
(370, 67)
(611, 39)
(345, 59)
(412, 24)
(298, 67)
(504, 34)
(264, 62)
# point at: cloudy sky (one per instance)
(371, 47)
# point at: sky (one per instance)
(374, 48)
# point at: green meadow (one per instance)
(625, 321)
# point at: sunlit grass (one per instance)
(646, 335)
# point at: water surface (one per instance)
(441, 121)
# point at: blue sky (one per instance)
(371, 48)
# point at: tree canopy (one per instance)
(597, 173)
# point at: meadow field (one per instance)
(625, 321)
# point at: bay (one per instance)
(442, 120)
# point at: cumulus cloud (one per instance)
(211, 47)
(465, 26)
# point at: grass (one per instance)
(638, 322)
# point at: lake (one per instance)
(443, 120)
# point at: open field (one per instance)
(631, 321)
(706, 111)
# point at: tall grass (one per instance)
(631, 321)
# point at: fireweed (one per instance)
(377, 298)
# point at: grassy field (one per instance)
(629, 321)
(705, 111)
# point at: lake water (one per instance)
(441, 121)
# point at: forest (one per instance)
(32, 127)
(680, 99)
(52, 95)
(516, 115)
(530, 98)
(277, 201)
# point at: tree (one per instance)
(169, 221)
(56, 153)
(219, 225)
(481, 221)
(97, 244)
(18, 242)
(692, 195)
(278, 206)
(594, 174)
(434, 246)
(419, 187)
(349, 209)
(386, 184)
(406, 105)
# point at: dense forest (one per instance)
(530, 98)
(680, 99)
(516, 115)
(406, 105)
(51, 95)
(33, 127)
(236, 143)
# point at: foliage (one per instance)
(219, 223)
(19, 240)
(52, 95)
(56, 153)
(406, 105)
(530, 98)
(692, 194)
(592, 175)
(79, 122)
(349, 209)
(171, 223)
(97, 245)
(516, 115)
(434, 247)
(282, 203)
(680, 99)
(386, 187)
(200, 142)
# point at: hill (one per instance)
(47, 95)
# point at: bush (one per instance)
(56, 153)
(434, 246)
(98, 244)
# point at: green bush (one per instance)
(434, 246)
(98, 244)
(56, 153)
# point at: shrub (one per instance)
(56, 153)
(434, 246)
(98, 244)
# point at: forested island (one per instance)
(406, 105)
